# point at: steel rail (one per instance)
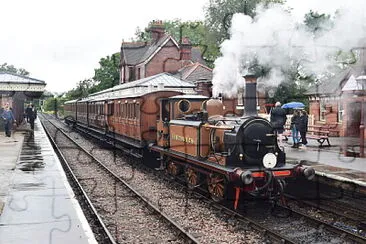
(330, 227)
(190, 238)
(334, 208)
(103, 233)
(322, 224)
(273, 235)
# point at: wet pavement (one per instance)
(39, 205)
(331, 161)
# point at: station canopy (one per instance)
(31, 87)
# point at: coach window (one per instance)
(110, 108)
(184, 106)
(137, 111)
(127, 110)
(131, 110)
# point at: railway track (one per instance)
(179, 235)
(319, 229)
(100, 231)
(333, 212)
(316, 230)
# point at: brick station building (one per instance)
(162, 54)
(165, 54)
(340, 102)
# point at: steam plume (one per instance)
(275, 39)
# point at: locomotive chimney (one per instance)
(250, 98)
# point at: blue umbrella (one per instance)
(293, 105)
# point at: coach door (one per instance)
(162, 124)
(110, 116)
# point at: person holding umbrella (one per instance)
(278, 121)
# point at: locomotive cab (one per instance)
(173, 111)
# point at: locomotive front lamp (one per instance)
(269, 160)
(241, 156)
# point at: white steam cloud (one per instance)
(275, 39)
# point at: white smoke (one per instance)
(275, 39)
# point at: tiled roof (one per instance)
(334, 85)
(138, 52)
(197, 55)
(195, 72)
(6, 77)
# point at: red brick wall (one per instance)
(314, 109)
(169, 55)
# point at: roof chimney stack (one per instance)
(186, 49)
(156, 29)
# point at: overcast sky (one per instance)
(61, 42)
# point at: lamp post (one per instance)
(361, 85)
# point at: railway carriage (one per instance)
(133, 118)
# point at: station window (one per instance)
(322, 109)
(340, 111)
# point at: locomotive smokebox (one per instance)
(250, 98)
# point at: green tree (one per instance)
(293, 87)
(53, 104)
(82, 90)
(318, 23)
(218, 14)
(107, 75)
(11, 69)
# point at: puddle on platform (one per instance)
(31, 166)
(28, 186)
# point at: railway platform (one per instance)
(330, 163)
(37, 204)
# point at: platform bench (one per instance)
(315, 133)
(320, 135)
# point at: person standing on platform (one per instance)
(27, 112)
(8, 118)
(303, 128)
(295, 121)
(32, 115)
(278, 121)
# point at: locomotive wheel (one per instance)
(173, 169)
(216, 187)
(192, 178)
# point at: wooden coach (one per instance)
(132, 119)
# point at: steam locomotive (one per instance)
(189, 137)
